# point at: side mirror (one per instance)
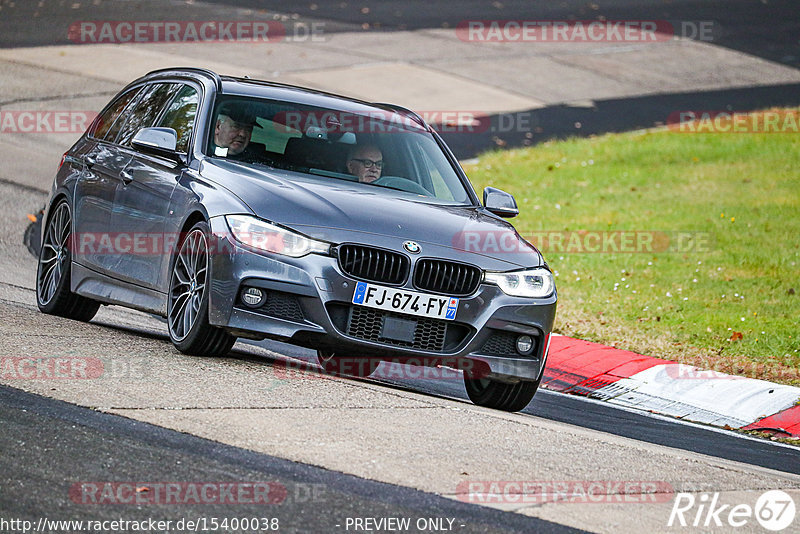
(500, 203)
(159, 142)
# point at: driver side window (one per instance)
(152, 101)
(180, 116)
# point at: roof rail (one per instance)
(402, 110)
(197, 70)
(291, 86)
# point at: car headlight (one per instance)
(529, 283)
(270, 238)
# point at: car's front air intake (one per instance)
(373, 264)
(446, 277)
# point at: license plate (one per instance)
(402, 301)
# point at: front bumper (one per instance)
(311, 307)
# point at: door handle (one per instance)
(126, 177)
(90, 161)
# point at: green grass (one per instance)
(740, 190)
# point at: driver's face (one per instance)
(363, 164)
(232, 135)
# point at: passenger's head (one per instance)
(365, 162)
(233, 129)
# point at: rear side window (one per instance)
(180, 116)
(107, 119)
(147, 109)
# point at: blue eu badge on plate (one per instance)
(361, 290)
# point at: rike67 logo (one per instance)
(774, 510)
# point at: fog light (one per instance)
(253, 297)
(524, 345)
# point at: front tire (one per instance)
(500, 395)
(53, 273)
(187, 307)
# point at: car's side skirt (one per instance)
(103, 288)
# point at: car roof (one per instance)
(231, 85)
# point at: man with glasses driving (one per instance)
(365, 162)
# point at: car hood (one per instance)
(339, 211)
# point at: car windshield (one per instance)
(374, 149)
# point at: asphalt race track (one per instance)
(312, 499)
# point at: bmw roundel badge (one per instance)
(412, 247)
